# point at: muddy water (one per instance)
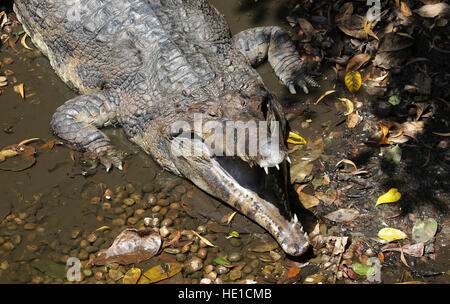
(51, 211)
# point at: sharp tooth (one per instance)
(278, 167)
(288, 159)
(267, 170)
(295, 219)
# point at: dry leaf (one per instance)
(404, 9)
(368, 30)
(347, 161)
(353, 120)
(356, 62)
(342, 215)
(433, 10)
(308, 201)
(230, 218)
(325, 94)
(130, 246)
(349, 105)
(384, 133)
(206, 241)
(160, 272)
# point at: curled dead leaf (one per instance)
(356, 62)
(130, 246)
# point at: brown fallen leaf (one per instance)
(384, 132)
(404, 8)
(353, 120)
(308, 201)
(356, 62)
(347, 161)
(434, 10)
(324, 95)
(160, 272)
(130, 246)
(342, 215)
(368, 30)
(415, 250)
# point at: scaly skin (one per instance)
(145, 64)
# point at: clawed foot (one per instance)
(301, 79)
(110, 158)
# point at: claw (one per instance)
(302, 84)
(267, 170)
(292, 89)
(288, 159)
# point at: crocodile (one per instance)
(145, 65)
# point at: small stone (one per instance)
(32, 248)
(174, 206)
(235, 274)
(75, 234)
(220, 269)
(202, 253)
(180, 257)
(208, 268)
(92, 238)
(247, 269)
(194, 248)
(193, 265)
(139, 212)
(118, 222)
(29, 226)
(234, 257)
(163, 203)
(17, 239)
(37, 280)
(130, 188)
(106, 206)
(156, 209)
(265, 247)
(87, 273)
(171, 250)
(115, 274)
(4, 265)
(205, 281)
(8, 246)
(98, 275)
(132, 220)
(163, 231)
(129, 201)
(235, 242)
(201, 229)
(91, 249)
(166, 222)
(83, 255)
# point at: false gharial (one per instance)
(145, 65)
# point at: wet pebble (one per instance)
(202, 253)
(132, 220)
(235, 274)
(163, 231)
(129, 201)
(87, 273)
(115, 274)
(235, 242)
(8, 246)
(167, 222)
(91, 238)
(180, 257)
(75, 234)
(201, 229)
(234, 256)
(118, 222)
(29, 226)
(192, 265)
(163, 203)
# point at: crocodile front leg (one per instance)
(77, 122)
(272, 42)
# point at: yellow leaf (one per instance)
(4, 154)
(441, 134)
(19, 89)
(103, 228)
(384, 133)
(405, 35)
(132, 276)
(349, 105)
(230, 218)
(296, 139)
(389, 197)
(204, 239)
(353, 81)
(24, 43)
(325, 94)
(391, 234)
(368, 29)
(160, 272)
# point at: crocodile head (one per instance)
(247, 170)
